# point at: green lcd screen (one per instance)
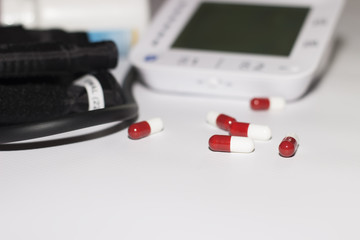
(243, 28)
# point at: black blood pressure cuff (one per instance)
(17, 34)
(26, 53)
(45, 98)
(55, 58)
(46, 74)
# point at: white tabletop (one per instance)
(171, 186)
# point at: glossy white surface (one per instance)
(171, 186)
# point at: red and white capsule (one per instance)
(220, 120)
(254, 131)
(289, 145)
(271, 103)
(224, 143)
(145, 128)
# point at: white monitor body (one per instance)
(166, 65)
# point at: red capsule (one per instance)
(260, 103)
(256, 132)
(272, 103)
(220, 143)
(288, 146)
(224, 143)
(145, 128)
(220, 120)
(239, 129)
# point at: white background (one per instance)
(171, 186)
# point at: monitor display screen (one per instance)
(243, 28)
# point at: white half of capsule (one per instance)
(259, 132)
(241, 145)
(156, 125)
(211, 117)
(277, 103)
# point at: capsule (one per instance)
(289, 145)
(222, 121)
(272, 103)
(254, 131)
(145, 128)
(224, 143)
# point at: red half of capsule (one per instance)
(220, 143)
(224, 121)
(139, 130)
(260, 104)
(288, 146)
(239, 129)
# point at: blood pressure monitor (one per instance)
(237, 48)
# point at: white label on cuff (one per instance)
(94, 91)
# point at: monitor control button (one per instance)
(183, 61)
(318, 22)
(245, 65)
(259, 67)
(285, 68)
(310, 43)
(150, 58)
(213, 82)
(155, 42)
